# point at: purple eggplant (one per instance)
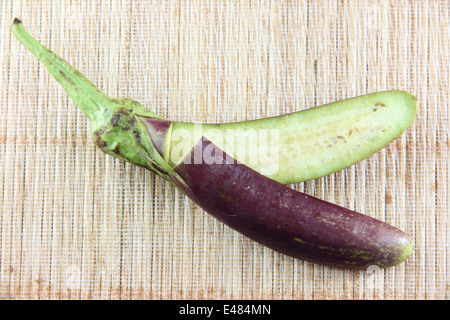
(285, 220)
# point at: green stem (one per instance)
(83, 92)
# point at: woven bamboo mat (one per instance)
(76, 223)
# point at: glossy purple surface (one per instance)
(285, 220)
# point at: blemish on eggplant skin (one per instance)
(160, 169)
(137, 134)
(378, 105)
(285, 205)
(66, 78)
(78, 73)
(99, 142)
(229, 186)
(231, 213)
(115, 120)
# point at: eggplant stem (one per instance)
(91, 100)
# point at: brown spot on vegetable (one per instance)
(117, 150)
(160, 169)
(378, 105)
(137, 135)
(99, 142)
(78, 73)
(115, 120)
(66, 77)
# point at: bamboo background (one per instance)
(78, 224)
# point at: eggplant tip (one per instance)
(407, 250)
(17, 21)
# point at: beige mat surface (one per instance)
(76, 223)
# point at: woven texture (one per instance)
(76, 223)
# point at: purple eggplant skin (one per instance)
(157, 130)
(287, 221)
